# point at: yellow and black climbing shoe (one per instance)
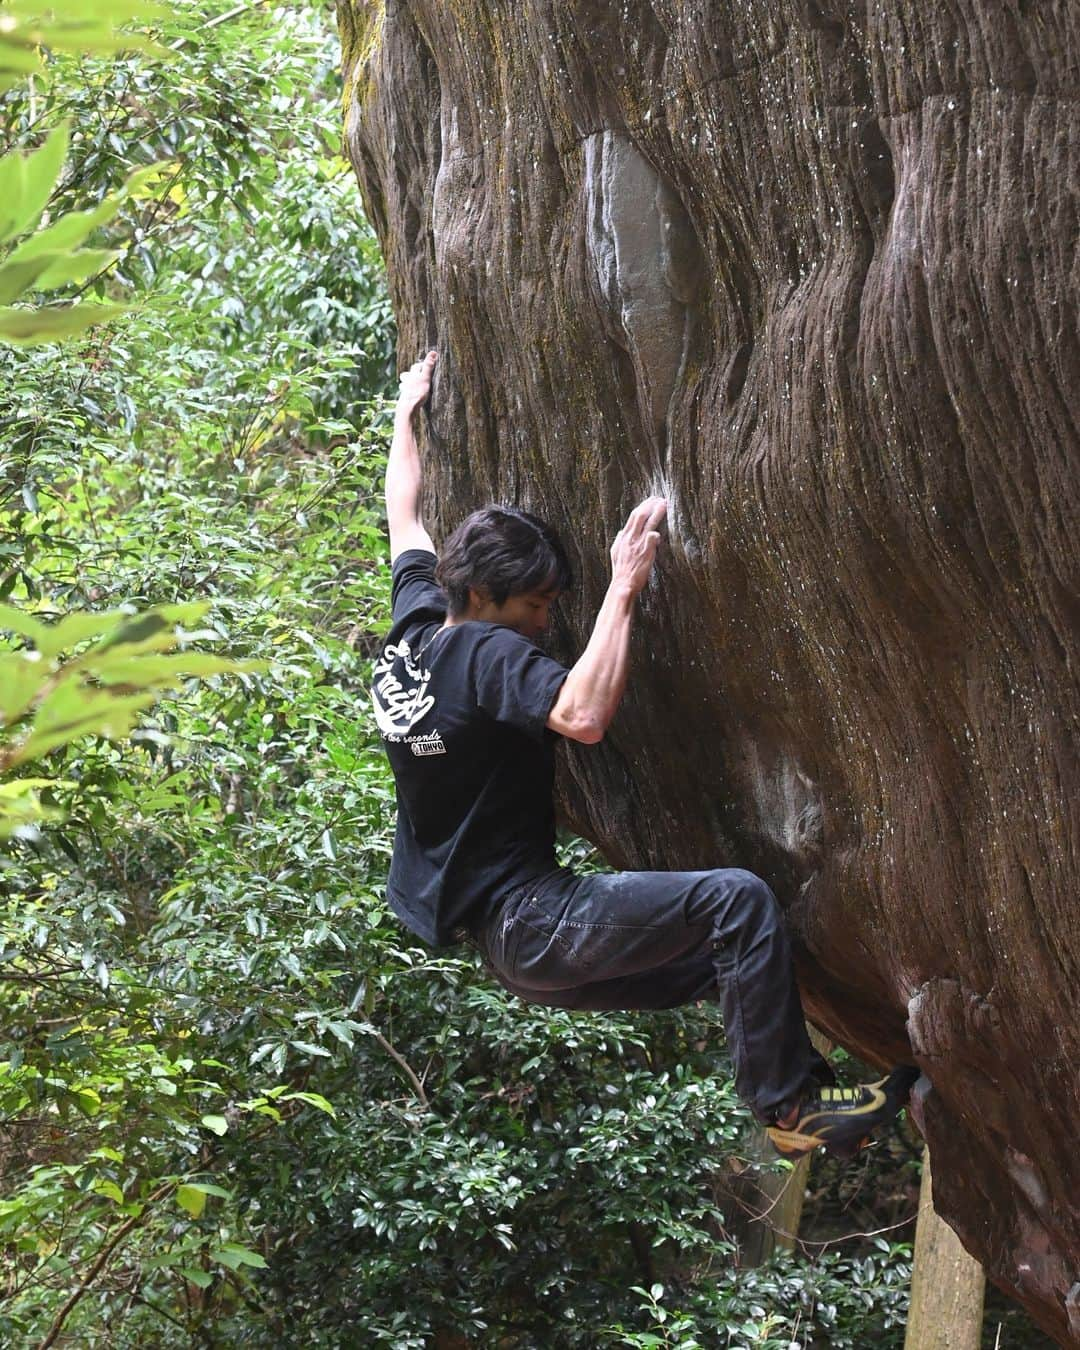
(843, 1118)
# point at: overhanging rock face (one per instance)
(809, 268)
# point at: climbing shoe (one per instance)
(843, 1118)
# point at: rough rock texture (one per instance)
(809, 267)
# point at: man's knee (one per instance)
(751, 889)
(745, 902)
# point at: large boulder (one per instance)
(809, 268)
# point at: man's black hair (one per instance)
(504, 550)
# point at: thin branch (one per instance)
(136, 1297)
(39, 977)
(212, 23)
(98, 1266)
(807, 1243)
(403, 1064)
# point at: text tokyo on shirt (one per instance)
(463, 713)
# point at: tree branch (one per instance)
(98, 1266)
(405, 1067)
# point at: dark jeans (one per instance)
(627, 940)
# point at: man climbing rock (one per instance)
(469, 709)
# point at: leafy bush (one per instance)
(836, 1302)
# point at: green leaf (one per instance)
(191, 1196)
(16, 63)
(78, 266)
(75, 628)
(83, 25)
(154, 671)
(153, 631)
(234, 1256)
(112, 1154)
(209, 1188)
(309, 1049)
(67, 232)
(201, 1279)
(16, 621)
(87, 1100)
(19, 805)
(71, 710)
(312, 1099)
(192, 1199)
(63, 235)
(24, 327)
(21, 679)
(216, 1123)
(109, 1189)
(18, 275)
(143, 182)
(27, 181)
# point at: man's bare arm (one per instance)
(591, 692)
(403, 473)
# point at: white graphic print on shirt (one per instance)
(399, 691)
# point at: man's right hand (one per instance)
(634, 549)
(590, 694)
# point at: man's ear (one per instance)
(478, 598)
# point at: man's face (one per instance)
(527, 613)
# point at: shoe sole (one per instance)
(791, 1143)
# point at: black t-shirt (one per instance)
(463, 714)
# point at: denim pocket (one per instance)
(504, 934)
(553, 952)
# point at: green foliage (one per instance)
(132, 469)
(843, 1302)
(51, 257)
(79, 26)
(102, 690)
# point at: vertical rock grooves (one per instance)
(810, 268)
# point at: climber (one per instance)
(470, 709)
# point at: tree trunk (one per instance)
(947, 1284)
(810, 271)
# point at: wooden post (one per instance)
(947, 1285)
(777, 1196)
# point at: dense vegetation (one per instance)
(238, 1105)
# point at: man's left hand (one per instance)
(416, 385)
